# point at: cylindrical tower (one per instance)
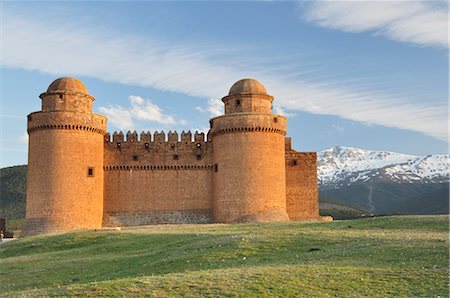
(249, 157)
(65, 161)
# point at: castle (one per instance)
(243, 171)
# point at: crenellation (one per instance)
(172, 138)
(186, 137)
(159, 137)
(145, 137)
(118, 137)
(132, 137)
(199, 137)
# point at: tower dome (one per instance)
(247, 86)
(68, 94)
(67, 84)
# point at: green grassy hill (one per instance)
(401, 256)
(13, 192)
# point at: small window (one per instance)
(135, 158)
(198, 145)
(275, 119)
(147, 145)
(60, 96)
(118, 145)
(238, 103)
(199, 156)
(176, 157)
(293, 162)
(216, 167)
(90, 172)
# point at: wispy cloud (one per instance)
(214, 109)
(420, 22)
(177, 68)
(139, 109)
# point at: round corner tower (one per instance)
(249, 181)
(65, 161)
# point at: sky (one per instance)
(372, 75)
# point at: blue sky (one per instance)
(366, 74)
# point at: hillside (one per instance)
(13, 192)
(376, 257)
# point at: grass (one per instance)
(404, 256)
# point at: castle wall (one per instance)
(153, 180)
(249, 159)
(301, 185)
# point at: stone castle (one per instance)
(244, 170)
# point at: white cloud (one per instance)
(135, 61)
(277, 109)
(215, 107)
(420, 22)
(23, 138)
(140, 109)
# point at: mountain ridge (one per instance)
(384, 182)
(343, 165)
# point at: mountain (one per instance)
(383, 182)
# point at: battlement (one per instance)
(157, 138)
(157, 148)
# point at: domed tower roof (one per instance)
(68, 84)
(67, 94)
(247, 86)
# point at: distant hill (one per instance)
(13, 182)
(383, 182)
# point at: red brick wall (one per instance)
(302, 197)
(152, 175)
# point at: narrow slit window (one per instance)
(90, 172)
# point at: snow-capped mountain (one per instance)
(338, 166)
(383, 182)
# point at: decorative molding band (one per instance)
(67, 127)
(158, 167)
(248, 129)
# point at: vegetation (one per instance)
(404, 256)
(391, 197)
(13, 192)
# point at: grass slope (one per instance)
(375, 257)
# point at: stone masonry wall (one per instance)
(152, 179)
(302, 197)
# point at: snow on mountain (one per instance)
(346, 165)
